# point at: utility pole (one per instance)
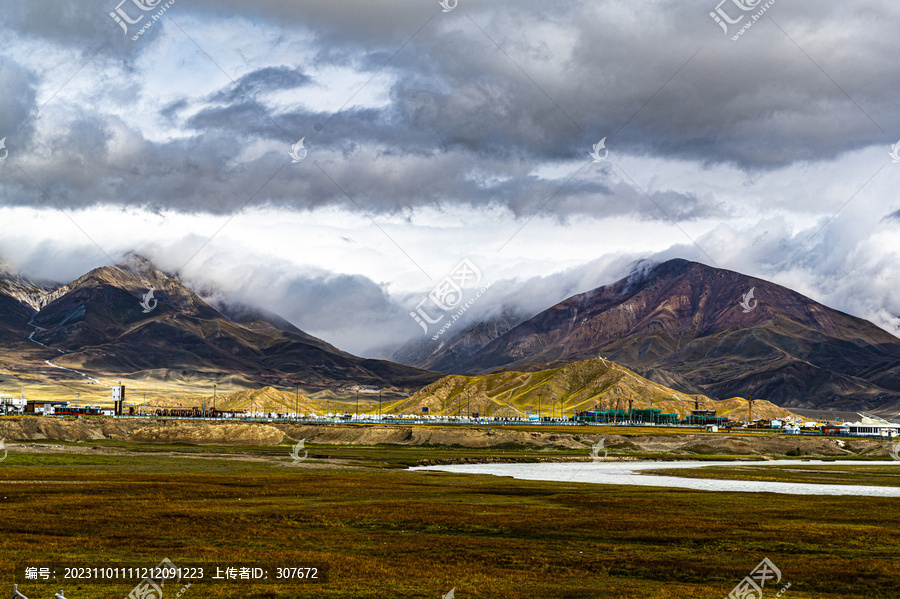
(357, 402)
(379, 403)
(540, 400)
(297, 403)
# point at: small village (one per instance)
(705, 419)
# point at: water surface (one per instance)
(631, 473)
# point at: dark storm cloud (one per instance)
(468, 122)
(682, 206)
(171, 111)
(264, 80)
(61, 21)
(895, 215)
(84, 27)
(759, 103)
(362, 23)
(17, 103)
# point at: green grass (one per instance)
(395, 456)
(387, 533)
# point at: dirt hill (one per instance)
(267, 399)
(570, 388)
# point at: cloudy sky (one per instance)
(432, 136)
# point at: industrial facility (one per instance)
(630, 416)
(12, 405)
(651, 415)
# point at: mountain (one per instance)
(265, 399)
(106, 323)
(682, 323)
(263, 321)
(448, 355)
(574, 387)
(20, 299)
(15, 312)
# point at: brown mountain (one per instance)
(97, 324)
(14, 314)
(682, 324)
(564, 390)
(446, 355)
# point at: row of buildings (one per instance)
(867, 427)
(651, 416)
(11, 406)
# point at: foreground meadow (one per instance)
(376, 530)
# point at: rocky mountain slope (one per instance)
(683, 324)
(107, 323)
(447, 355)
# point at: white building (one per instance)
(874, 429)
(118, 393)
(10, 404)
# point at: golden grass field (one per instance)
(383, 532)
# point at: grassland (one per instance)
(387, 533)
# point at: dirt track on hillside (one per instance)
(151, 430)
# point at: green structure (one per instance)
(704, 417)
(653, 415)
(610, 416)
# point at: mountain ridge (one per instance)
(97, 323)
(684, 320)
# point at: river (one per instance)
(631, 473)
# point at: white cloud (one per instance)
(451, 149)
